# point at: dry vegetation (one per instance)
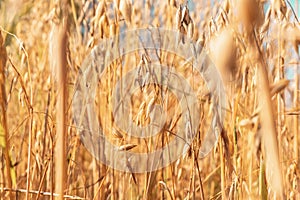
(257, 155)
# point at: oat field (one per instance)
(48, 47)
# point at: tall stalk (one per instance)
(60, 147)
(3, 57)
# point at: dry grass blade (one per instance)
(296, 117)
(126, 10)
(263, 191)
(166, 188)
(279, 86)
(117, 134)
(268, 130)
(127, 147)
(293, 112)
(6, 146)
(43, 193)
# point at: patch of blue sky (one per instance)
(296, 6)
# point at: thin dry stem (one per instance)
(3, 57)
(60, 147)
(268, 126)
